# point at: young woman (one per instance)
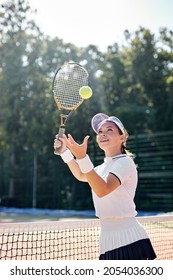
(113, 185)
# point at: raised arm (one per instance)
(100, 186)
(68, 158)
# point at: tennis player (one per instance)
(113, 185)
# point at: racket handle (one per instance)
(60, 135)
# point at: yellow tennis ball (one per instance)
(85, 92)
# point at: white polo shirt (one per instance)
(120, 202)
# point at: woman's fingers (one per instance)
(71, 140)
(60, 142)
(85, 141)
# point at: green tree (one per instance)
(132, 81)
(147, 84)
(18, 36)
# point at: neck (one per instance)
(112, 153)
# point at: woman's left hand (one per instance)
(78, 150)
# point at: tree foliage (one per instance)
(133, 81)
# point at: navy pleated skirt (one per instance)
(124, 239)
(139, 250)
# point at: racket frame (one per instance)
(65, 112)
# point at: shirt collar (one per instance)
(107, 159)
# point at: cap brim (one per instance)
(96, 121)
(99, 119)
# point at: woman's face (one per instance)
(109, 138)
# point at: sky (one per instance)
(100, 22)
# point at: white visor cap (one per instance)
(101, 118)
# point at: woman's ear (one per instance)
(123, 138)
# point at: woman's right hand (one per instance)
(60, 143)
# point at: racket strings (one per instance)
(67, 83)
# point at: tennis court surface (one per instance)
(74, 240)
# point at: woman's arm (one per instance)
(75, 170)
(68, 158)
(100, 186)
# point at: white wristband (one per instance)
(67, 156)
(85, 164)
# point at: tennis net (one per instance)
(74, 240)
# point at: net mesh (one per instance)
(67, 83)
(74, 240)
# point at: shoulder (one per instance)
(124, 159)
(124, 162)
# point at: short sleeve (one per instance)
(123, 168)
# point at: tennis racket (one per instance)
(68, 80)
